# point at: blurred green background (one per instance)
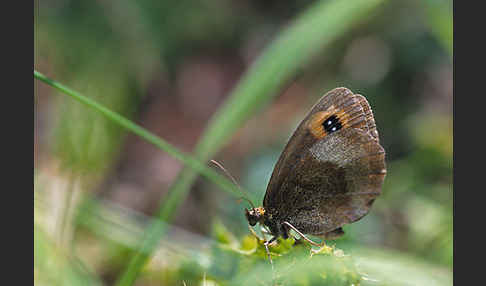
(169, 66)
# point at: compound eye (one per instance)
(250, 216)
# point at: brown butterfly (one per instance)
(328, 175)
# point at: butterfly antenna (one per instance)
(234, 182)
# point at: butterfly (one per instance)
(329, 173)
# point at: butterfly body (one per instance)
(329, 173)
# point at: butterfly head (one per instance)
(255, 215)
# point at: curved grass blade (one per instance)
(189, 161)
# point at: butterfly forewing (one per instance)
(332, 167)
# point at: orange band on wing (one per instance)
(315, 123)
(351, 117)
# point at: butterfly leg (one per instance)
(303, 236)
(266, 243)
(322, 246)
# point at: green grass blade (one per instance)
(316, 28)
(196, 165)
